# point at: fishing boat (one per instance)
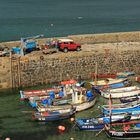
(110, 83)
(133, 107)
(65, 87)
(55, 115)
(130, 99)
(125, 74)
(85, 105)
(62, 97)
(125, 130)
(121, 92)
(79, 106)
(107, 75)
(91, 124)
(34, 93)
(78, 99)
(96, 124)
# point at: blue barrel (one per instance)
(45, 101)
(16, 50)
(106, 120)
(89, 94)
(49, 102)
(52, 94)
(138, 125)
(61, 93)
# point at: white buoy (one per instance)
(79, 17)
(7, 138)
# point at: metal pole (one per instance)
(96, 71)
(19, 77)
(11, 75)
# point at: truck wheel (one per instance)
(65, 50)
(78, 49)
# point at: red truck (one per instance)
(66, 45)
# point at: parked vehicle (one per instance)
(66, 45)
(49, 48)
(4, 51)
(28, 45)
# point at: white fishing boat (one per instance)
(79, 100)
(121, 92)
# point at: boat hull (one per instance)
(133, 107)
(54, 116)
(85, 105)
(121, 92)
(79, 106)
(124, 135)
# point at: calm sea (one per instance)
(23, 18)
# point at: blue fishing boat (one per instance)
(89, 124)
(96, 124)
(125, 74)
(122, 108)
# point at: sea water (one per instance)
(54, 18)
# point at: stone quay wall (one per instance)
(36, 72)
(34, 69)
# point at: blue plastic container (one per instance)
(16, 50)
(138, 125)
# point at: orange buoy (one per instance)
(72, 119)
(7, 138)
(59, 127)
(62, 128)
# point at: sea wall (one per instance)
(34, 69)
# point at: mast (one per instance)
(96, 71)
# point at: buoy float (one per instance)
(126, 128)
(72, 119)
(62, 128)
(7, 138)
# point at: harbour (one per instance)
(69, 70)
